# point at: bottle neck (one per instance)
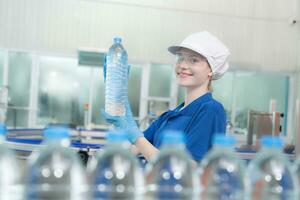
(63, 142)
(225, 148)
(174, 146)
(120, 144)
(2, 139)
(272, 149)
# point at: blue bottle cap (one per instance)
(224, 140)
(3, 130)
(117, 40)
(117, 136)
(173, 137)
(56, 133)
(271, 142)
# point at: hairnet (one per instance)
(210, 47)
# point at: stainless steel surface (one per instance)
(262, 123)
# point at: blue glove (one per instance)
(126, 123)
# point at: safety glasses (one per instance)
(189, 59)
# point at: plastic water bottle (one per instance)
(55, 171)
(222, 174)
(116, 173)
(172, 174)
(296, 169)
(271, 174)
(10, 178)
(116, 79)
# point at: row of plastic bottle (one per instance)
(55, 172)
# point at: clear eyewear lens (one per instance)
(190, 60)
(179, 58)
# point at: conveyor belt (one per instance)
(24, 141)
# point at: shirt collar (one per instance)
(196, 103)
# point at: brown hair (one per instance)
(209, 86)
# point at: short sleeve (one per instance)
(203, 127)
(150, 131)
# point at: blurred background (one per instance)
(49, 71)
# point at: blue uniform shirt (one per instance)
(199, 121)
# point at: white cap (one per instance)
(208, 46)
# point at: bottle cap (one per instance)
(223, 140)
(271, 141)
(56, 132)
(173, 137)
(3, 130)
(117, 40)
(117, 136)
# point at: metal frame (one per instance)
(233, 101)
(290, 117)
(33, 99)
(143, 109)
(91, 93)
(251, 118)
(4, 86)
(297, 121)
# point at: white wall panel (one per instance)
(246, 8)
(297, 93)
(257, 32)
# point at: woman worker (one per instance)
(200, 59)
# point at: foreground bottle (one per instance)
(296, 169)
(172, 174)
(10, 179)
(55, 171)
(115, 174)
(116, 79)
(270, 173)
(222, 173)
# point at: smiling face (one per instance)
(192, 69)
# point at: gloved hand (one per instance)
(126, 123)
